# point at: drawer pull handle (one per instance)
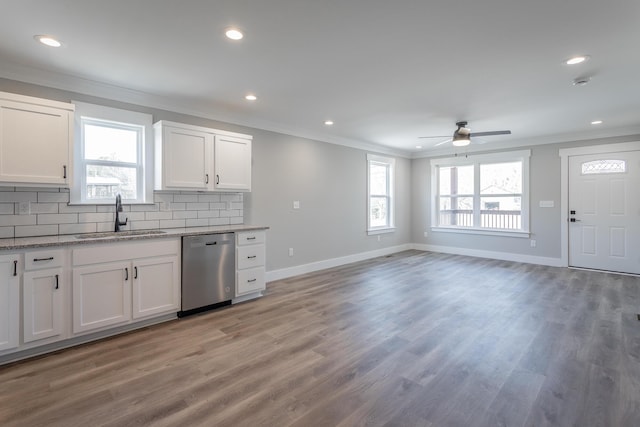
(57, 282)
(43, 259)
(126, 273)
(211, 243)
(217, 179)
(15, 268)
(64, 171)
(252, 257)
(135, 272)
(251, 280)
(206, 178)
(251, 238)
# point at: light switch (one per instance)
(296, 204)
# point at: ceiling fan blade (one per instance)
(443, 142)
(495, 132)
(441, 136)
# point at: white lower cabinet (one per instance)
(101, 296)
(250, 263)
(154, 286)
(9, 301)
(116, 284)
(42, 304)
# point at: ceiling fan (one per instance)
(462, 136)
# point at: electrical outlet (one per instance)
(24, 208)
(378, 237)
(426, 234)
(533, 243)
(290, 251)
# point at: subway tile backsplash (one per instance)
(50, 214)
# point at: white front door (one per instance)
(604, 211)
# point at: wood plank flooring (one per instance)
(413, 339)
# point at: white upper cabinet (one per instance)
(232, 159)
(36, 141)
(197, 158)
(181, 158)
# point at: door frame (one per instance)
(565, 153)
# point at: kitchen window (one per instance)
(380, 202)
(486, 193)
(113, 155)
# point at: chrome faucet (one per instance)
(118, 210)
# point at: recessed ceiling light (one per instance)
(596, 122)
(577, 60)
(250, 97)
(48, 40)
(233, 34)
(328, 122)
(418, 146)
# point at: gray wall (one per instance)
(544, 222)
(329, 181)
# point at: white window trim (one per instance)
(521, 155)
(77, 194)
(373, 158)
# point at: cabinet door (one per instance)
(185, 155)
(42, 304)
(9, 301)
(34, 143)
(232, 160)
(101, 295)
(156, 286)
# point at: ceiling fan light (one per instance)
(461, 142)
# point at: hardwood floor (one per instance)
(414, 339)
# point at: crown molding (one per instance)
(84, 86)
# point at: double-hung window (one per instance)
(380, 202)
(112, 155)
(482, 193)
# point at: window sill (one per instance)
(503, 233)
(374, 231)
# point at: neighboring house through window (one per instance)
(482, 193)
(380, 181)
(112, 155)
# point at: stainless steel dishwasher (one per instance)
(208, 272)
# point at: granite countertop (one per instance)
(110, 237)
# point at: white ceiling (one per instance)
(385, 71)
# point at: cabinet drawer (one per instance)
(250, 238)
(36, 260)
(251, 280)
(250, 256)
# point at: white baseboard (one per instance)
(333, 262)
(336, 262)
(504, 256)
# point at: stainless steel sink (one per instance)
(111, 234)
